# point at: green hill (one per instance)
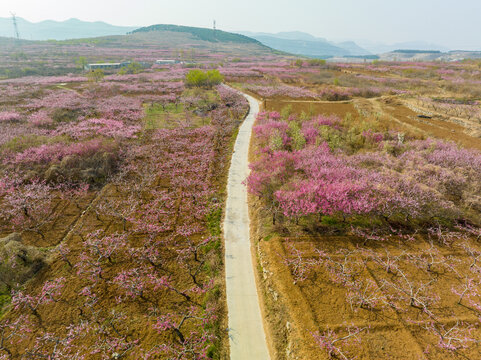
(202, 34)
(58, 57)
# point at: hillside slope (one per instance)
(204, 34)
(25, 57)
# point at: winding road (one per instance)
(246, 331)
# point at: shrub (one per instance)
(215, 77)
(199, 78)
(316, 62)
(286, 112)
(81, 61)
(132, 68)
(90, 162)
(299, 63)
(19, 262)
(317, 167)
(6, 116)
(196, 78)
(40, 119)
(96, 75)
(94, 169)
(47, 153)
(65, 115)
(105, 127)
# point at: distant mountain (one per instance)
(380, 48)
(60, 30)
(353, 48)
(296, 35)
(302, 47)
(301, 43)
(429, 55)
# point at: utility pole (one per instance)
(215, 38)
(15, 26)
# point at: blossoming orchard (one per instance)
(364, 200)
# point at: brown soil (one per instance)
(341, 108)
(294, 311)
(435, 127)
(72, 224)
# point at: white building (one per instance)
(166, 62)
(106, 66)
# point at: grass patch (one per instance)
(268, 237)
(159, 116)
(329, 221)
(213, 221)
(4, 301)
(21, 143)
(170, 108)
(206, 97)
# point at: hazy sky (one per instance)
(452, 23)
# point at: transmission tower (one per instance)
(215, 38)
(15, 26)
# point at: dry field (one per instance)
(112, 193)
(350, 284)
(112, 197)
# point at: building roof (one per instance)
(104, 64)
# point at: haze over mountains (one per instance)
(381, 48)
(60, 30)
(301, 43)
(294, 42)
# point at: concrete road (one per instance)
(246, 331)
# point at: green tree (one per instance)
(196, 78)
(298, 140)
(317, 62)
(214, 77)
(81, 62)
(96, 75)
(286, 112)
(132, 68)
(19, 55)
(199, 78)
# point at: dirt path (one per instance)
(246, 332)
